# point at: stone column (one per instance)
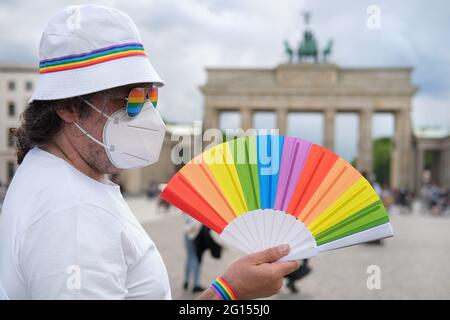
(132, 180)
(365, 143)
(401, 156)
(420, 154)
(445, 165)
(282, 121)
(210, 118)
(329, 129)
(246, 118)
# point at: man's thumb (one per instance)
(270, 255)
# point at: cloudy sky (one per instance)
(183, 37)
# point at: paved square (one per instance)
(415, 264)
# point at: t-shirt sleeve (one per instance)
(74, 253)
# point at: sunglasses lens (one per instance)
(135, 102)
(153, 95)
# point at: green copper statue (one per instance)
(289, 52)
(327, 50)
(308, 47)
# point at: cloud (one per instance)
(183, 37)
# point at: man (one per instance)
(66, 232)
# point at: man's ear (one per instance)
(68, 115)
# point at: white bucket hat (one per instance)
(89, 48)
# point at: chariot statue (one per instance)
(308, 49)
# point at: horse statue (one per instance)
(327, 50)
(288, 50)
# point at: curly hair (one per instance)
(40, 123)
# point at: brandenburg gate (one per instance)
(312, 86)
(325, 88)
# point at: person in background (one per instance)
(192, 267)
(375, 185)
(387, 197)
(2, 195)
(378, 190)
(152, 190)
(303, 271)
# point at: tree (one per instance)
(381, 153)
(382, 159)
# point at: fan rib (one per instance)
(189, 186)
(250, 230)
(303, 191)
(200, 178)
(227, 168)
(233, 229)
(345, 183)
(209, 177)
(313, 225)
(171, 196)
(378, 232)
(245, 233)
(268, 180)
(376, 209)
(289, 176)
(335, 217)
(293, 160)
(331, 185)
(280, 229)
(249, 171)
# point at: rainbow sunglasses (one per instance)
(136, 99)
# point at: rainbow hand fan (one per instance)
(260, 191)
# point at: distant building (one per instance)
(16, 86)
(433, 142)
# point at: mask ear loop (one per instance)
(101, 113)
(110, 148)
(96, 109)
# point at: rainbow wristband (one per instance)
(222, 288)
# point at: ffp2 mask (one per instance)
(131, 142)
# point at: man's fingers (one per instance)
(269, 255)
(284, 268)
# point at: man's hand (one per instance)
(259, 274)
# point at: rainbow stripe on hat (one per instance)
(91, 58)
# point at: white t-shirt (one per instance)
(64, 235)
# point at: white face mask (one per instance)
(131, 142)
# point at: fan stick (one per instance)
(295, 153)
(317, 167)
